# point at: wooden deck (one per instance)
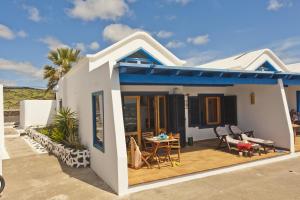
(202, 156)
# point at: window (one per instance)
(98, 120)
(210, 110)
(213, 110)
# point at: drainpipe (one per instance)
(287, 115)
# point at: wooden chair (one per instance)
(175, 145)
(138, 158)
(148, 146)
(221, 134)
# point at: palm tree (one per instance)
(62, 58)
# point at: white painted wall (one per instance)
(269, 115)
(37, 112)
(2, 147)
(76, 90)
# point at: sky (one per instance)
(197, 31)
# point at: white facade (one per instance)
(37, 112)
(269, 116)
(2, 147)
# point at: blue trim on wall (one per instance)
(96, 143)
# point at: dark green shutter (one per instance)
(201, 103)
(176, 116)
(229, 108)
(193, 111)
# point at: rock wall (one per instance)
(72, 157)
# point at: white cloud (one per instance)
(174, 44)
(274, 5)
(198, 58)
(8, 82)
(24, 68)
(164, 34)
(33, 13)
(182, 2)
(116, 32)
(6, 32)
(92, 9)
(199, 40)
(288, 49)
(132, 1)
(80, 46)
(53, 43)
(22, 34)
(94, 45)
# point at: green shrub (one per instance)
(57, 136)
(64, 129)
(67, 124)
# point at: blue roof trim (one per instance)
(147, 74)
(149, 58)
(267, 67)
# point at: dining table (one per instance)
(161, 143)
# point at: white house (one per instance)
(137, 85)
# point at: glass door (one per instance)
(131, 116)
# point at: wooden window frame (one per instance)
(218, 110)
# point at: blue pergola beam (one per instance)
(140, 79)
(131, 73)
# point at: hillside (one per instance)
(13, 96)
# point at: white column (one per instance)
(287, 115)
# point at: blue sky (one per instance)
(194, 30)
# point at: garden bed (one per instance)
(72, 157)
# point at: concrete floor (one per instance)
(40, 176)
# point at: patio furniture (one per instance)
(175, 145)
(264, 143)
(230, 142)
(161, 144)
(138, 158)
(148, 146)
(236, 131)
(249, 148)
(221, 133)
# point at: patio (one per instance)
(202, 156)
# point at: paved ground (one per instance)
(40, 176)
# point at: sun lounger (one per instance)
(264, 143)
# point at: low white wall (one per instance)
(269, 116)
(2, 147)
(37, 112)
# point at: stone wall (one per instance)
(72, 157)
